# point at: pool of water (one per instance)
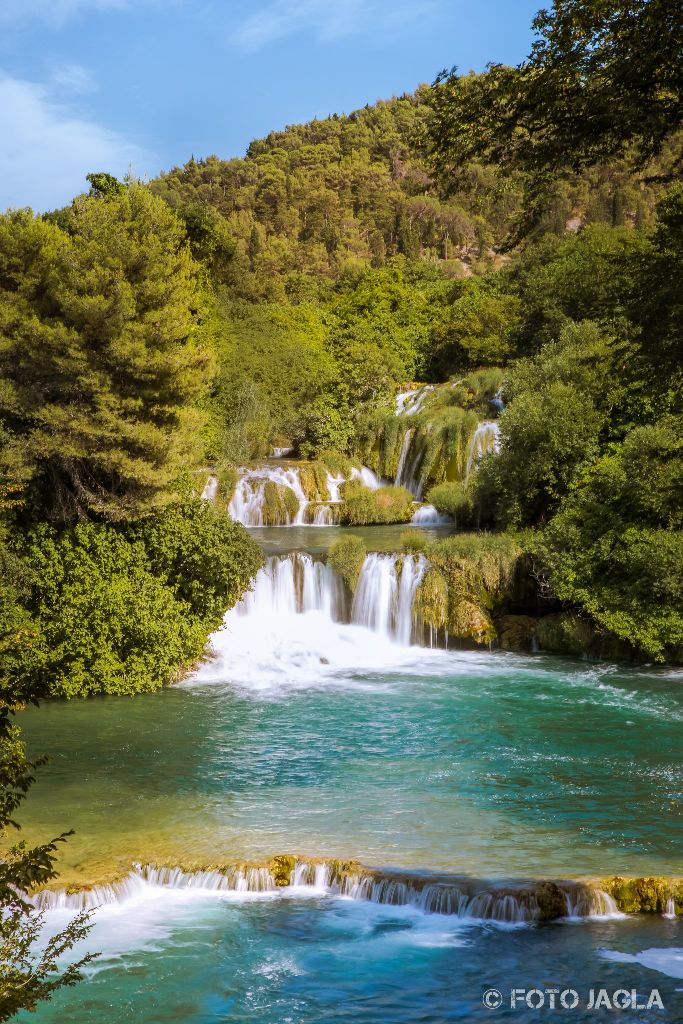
(194, 958)
(317, 539)
(320, 738)
(492, 764)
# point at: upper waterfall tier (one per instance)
(291, 494)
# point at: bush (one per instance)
(346, 556)
(122, 611)
(452, 499)
(363, 507)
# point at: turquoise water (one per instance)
(200, 960)
(313, 737)
(494, 765)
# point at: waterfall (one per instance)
(249, 498)
(210, 489)
(670, 909)
(385, 594)
(408, 403)
(509, 904)
(297, 583)
(291, 585)
(484, 440)
(246, 505)
(427, 515)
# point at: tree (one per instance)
(560, 403)
(604, 78)
(476, 330)
(28, 977)
(615, 547)
(100, 358)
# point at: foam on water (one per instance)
(666, 961)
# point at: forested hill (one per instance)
(304, 203)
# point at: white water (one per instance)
(670, 909)
(484, 440)
(299, 627)
(507, 905)
(247, 503)
(410, 402)
(427, 514)
(210, 489)
(385, 596)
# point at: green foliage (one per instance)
(452, 499)
(346, 556)
(469, 576)
(602, 81)
(27, 977)
(476, 329)
(363, 507)
(615, 547)
(561, 400)
(99, 365)
(105, 611)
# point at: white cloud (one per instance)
(326, 20)
(47, 148)
(55, 11)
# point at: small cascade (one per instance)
(408, 403)
(670, 909)
(282, 453)
(210, 489)
(508, 904)
(409, 462)
(366, 477)
(144, 878)
(385, 595)
(250, 501)
(485, 439)
(588, 901)
(427, 515)
(293, 584)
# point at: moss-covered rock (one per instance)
(431, 600)
(281, 868)
(469, 621)
(516, 632)
(346, 556)
(565, 633)
(280, 504)
(645, 895)
(551, 901)
(363, 507)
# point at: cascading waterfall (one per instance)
(410, 402)
(427, 515)
(670, 909)
(210, 489)
(385, 595)
(248, 502)
(297, 583)
(291, 585)
(463, 898)
(484, 440)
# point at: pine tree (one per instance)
(99, 354)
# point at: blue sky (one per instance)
(111, 84)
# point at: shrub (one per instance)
(363, 507)
(346, 556)
(452, 499)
